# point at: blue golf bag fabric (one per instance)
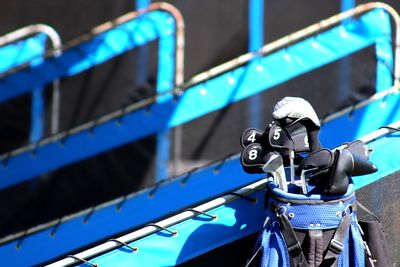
(311, 230)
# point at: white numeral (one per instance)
(277, 133)
(306, 144)
(252, 154)
(252, 137)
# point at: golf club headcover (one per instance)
(362, 165)
(293, 110)
(318, 161)
(358, 147)
(280, 140)
(338, 178)
(275, 138)
(252, 158)
(299, 134)
(346, 165)
(360, 152)
(251, 136)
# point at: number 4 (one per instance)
(252, 137)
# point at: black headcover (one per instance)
(257, 145)
(251, 136)
(319, 160)
(358, 147)
(345, 165)
(253, 158)
(303, 131)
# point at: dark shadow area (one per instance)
(15, 122)
(73, 188)
(383, 199)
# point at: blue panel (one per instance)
(198, 101)
(21, 52)
(146, 28)
(196, 236)
(148, 205)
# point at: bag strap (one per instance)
(336, 244)
(293, 245)
(368, 211)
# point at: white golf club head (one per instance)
(274, 165)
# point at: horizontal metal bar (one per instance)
(99, 46)
(380, 133)
(197, 101)
(184, 216)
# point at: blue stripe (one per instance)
(142, 4)
(256, 41)
(37, 113)
(256, 24)
(346, 5)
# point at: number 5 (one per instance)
(277, 133)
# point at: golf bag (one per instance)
(310, 230)
(311, 221)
